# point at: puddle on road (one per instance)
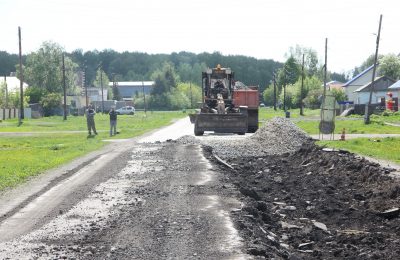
(206, 174)
(231, 242)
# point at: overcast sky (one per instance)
(264, 29)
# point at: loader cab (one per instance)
(217, 81)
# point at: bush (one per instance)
(387, 113)
(51, 103)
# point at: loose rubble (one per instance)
(303, 202)
(277, 136)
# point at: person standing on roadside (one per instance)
(90, 112)
(113, 121)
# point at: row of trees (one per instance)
(289, 78)
(177, 76)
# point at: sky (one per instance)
(263, 29)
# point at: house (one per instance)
(395, 89)
(334, 84)
(13, 84)
(128, 89)
(95, 94)
(379, 94)
(357, 82)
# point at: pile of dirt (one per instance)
(316, 204)
(277, 136)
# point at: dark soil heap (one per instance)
(314, 204)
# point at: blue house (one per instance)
(357, 82)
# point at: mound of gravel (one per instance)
(187, 139)
(277, 136)
(281, 135)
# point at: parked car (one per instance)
(128, 110)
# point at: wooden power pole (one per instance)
(21, 79)
(367, 106)
(64, 88)
(301, 89)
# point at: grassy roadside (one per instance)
(24, 156)
(380, 148)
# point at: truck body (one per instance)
(225, 108)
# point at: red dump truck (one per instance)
(226, 107)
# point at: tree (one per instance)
(35, 94)
(268, 95)
(101, 77)
(192, 93)
(339, 94)
(165, 79)
(389, 65)
(290, 97)
(310, 58)
(116, 94)
(367, 63)
(310, 84)
(44, 68)
(7, 62)
(51, 103)
(290, 72)
(314, 98)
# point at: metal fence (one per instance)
(9, 113)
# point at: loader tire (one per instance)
(252, 129)
(198, 133)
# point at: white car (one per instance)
(128, 110)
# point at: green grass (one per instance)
(381, 148)
(353, 124)
(385, 148)
(268, 113)
(24, 156)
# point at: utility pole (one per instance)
(366, 115)
(274, 82)
(5, 82)
(21, 80)
(301, 89)
(325, 66)
(114, 84)
(85, 85)
(102, 93)
(64, 88)
(191, 96)
(284, 92)
(144, 97)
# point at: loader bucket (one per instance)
(221, 123)
(192, 118)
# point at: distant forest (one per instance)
(136, 66)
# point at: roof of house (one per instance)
(13, 83)
(381, 83)
(133, 83)
(395, 85)
(358, 76)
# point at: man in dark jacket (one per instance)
(113, 121)
(90, 112)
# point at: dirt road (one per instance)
(132, 200)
